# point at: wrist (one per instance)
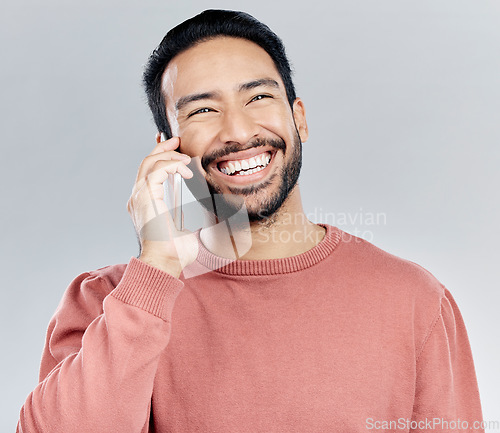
(171, 267)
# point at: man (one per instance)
(320, 333)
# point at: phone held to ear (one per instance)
(172, 188)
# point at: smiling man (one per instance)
(323, 332)
(226, 100)
(245, 114)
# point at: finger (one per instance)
(151, 160)
(168, 154)
(170, 144)
(165, 168)
(160, 171)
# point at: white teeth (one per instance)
(250, 165)
(246, 173)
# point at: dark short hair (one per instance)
(205, 26)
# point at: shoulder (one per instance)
(379, 266)
(400, 288)
(378, 274)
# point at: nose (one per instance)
(237, 127)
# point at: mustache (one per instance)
(278, 144)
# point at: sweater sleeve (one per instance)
(447, 395)
(101, 354)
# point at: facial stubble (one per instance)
(227, 205)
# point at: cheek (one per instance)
(279, 123)
(196, 138)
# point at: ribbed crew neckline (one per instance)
(271, 266)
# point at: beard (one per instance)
(224, 205)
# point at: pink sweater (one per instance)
(342, 338)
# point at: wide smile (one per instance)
(246, 170)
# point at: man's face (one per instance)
(226, 100)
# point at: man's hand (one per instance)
(162, 245)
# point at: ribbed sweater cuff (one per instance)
(148, 288)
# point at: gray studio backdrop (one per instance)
(403, 105)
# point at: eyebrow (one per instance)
(267, 82)
(185, 100)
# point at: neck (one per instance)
(286, 233)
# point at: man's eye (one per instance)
(201, 110)
(259, 97)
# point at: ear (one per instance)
(158, 137)
(299, 115)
